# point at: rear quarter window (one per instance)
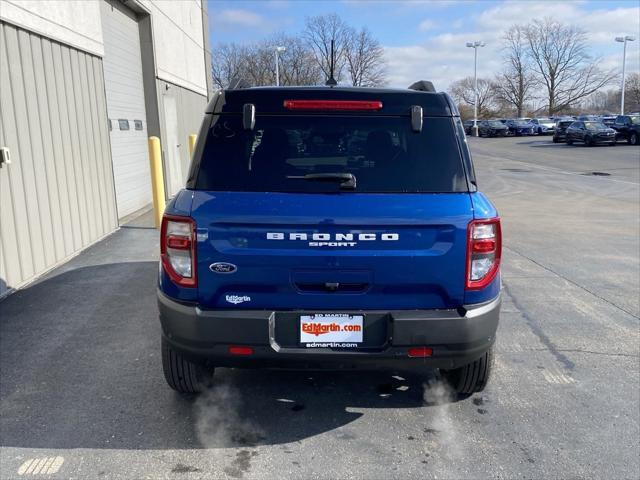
(382, 152)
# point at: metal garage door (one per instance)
(125, 107)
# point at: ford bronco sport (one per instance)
(330, 228)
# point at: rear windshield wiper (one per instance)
(347, 180)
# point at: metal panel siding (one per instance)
(190, 111)
(57, 196)
(125, 100)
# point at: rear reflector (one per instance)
(181, 243)
(238, 350)
(420, 352)
(346, 105)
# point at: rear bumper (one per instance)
(603, 139)
(457, 337)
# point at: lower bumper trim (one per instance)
(457, 337)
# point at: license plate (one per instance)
(326, 330)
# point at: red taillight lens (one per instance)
(484, 248)
(349, 105)
(240, 350)
(416, 352)
(178, 249)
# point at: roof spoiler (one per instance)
(423, 86)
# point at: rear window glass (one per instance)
(280, 154)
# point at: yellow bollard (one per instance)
(192, 144)
(157, 179)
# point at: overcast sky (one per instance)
(426, 39)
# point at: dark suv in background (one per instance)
(627, 128)
(590, 133)
(560, 132)
(492, 128)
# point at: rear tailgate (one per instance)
(331, 251)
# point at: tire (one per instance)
(183, 375)
(633, 139)
(569, 141)
(473, 377)
(612, 144)
(588, 142)
(555, 140)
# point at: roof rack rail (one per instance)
(422, 86)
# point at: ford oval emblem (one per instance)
(223, 267)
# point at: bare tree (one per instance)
(562, 64)
(632, 93)
(318, 33)
(514, 84)
(365, 61)
(297, 62)
(462, 91)
(256, 63)
(228, 63)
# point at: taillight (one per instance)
(178, 249)
(349, 105)
(484, 247)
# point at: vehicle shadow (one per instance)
(80, 368)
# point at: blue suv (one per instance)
(330, 228)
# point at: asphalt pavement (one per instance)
(82, 393)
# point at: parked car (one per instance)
(520, 127)
(560, 130)
(287, 255)
(544, 126)
(627, 128)
(492, 128)
(468, 126)
(588, 118)
(590, 133)
(608, 120)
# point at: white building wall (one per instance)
(179, 43)
(73, 22)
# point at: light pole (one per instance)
(623, 40)
(278, 50)
(475, 45)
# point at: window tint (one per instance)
(382, 152)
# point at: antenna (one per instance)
(331, 82)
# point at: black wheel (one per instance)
(613, 144)
(633, 139)
(555, 140)
(569, 141)
(588, 142)
(183, 375)
(472, 377)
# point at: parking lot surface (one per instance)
(82, 393)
